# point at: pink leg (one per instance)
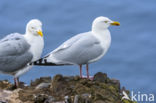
(87, 69)
(80, 70)
(16, 82)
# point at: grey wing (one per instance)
(80, 50)
(14, 53)
(68, 43)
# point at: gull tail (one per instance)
(44, 62)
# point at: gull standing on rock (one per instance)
(17, 50)
(83, 48)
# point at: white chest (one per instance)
(36, 48)
(105, 40)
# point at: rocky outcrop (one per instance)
(64, 89)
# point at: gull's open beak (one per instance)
(40, 33)
(115, 23)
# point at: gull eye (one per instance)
(32, 28)
(106, 21)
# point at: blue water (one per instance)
(132, 55)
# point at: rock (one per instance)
(65, 89)
(40, 80)
(7, 96)
(50, 99)
(5, 84)
(40, 98)
(76, 99)
(100, 77)
(98, 89)
(43, 85)
(86, 98)
(116, 83)
(67, 99)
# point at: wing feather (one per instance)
(14, 53)
(79, 50)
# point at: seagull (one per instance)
(17, 50)
(82, 49)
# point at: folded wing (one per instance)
(14, 53)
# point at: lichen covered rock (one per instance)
(68, 89)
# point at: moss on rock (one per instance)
(71, 89)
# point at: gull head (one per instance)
(102, 23)
(34, 27)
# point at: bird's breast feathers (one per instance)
(36, 48)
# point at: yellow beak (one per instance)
(115, 23)
(40, 33)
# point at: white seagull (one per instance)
(83, 48)
(17, 50)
